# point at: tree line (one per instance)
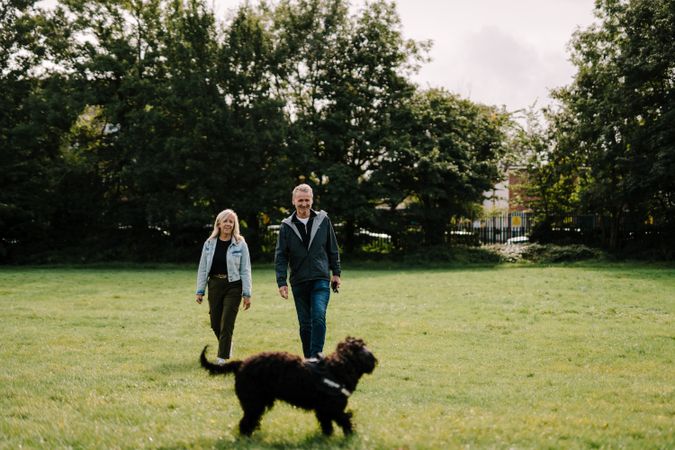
(126, 126)
(609, 145)
(125, 122)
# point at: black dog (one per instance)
(322, 384)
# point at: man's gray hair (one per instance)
(306, 188)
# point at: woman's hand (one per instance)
(247, 303)
(199, 298)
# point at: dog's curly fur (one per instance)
(263, 378)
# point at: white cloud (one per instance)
(492, 66)
(494, 51)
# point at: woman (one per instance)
(226, 266)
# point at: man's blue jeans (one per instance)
(311, 301)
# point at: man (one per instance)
(308, 245)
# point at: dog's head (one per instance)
(355, 351)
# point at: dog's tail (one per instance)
(218, 369)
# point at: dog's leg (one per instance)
(326, 422)
(344, 419)
(251, 419)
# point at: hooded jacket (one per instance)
(314, 262)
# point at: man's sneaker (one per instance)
(221, 361)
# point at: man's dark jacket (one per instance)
(307, 263)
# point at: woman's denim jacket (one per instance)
(238, 265)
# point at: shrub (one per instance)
(452, 254)
(551, 253)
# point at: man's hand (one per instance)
(199, 298)
(247, 303)
(283, 291)
(335, 281)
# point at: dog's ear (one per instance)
(350, 346)
(355, 342)
(354, 350)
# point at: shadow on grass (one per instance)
(259, 441)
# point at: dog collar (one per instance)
(335, 385)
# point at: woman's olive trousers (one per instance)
(224, 301)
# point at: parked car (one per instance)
(518, 240)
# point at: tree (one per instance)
(133, 123)
(189, 123)
(16, 186)
(369, 91)
(553, 178)
(345, 85)
(109, 55)
(613, 117)
(34, 113)
(452, 157)
(254, 145)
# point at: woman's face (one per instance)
(227, 224)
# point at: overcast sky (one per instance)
(498, 52)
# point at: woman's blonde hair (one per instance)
(235, 230)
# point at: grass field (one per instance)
(505, 357)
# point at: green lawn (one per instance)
(505, 357)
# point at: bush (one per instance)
(508, 253)
(452, 254)
(552, 253)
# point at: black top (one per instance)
(219, 264)
(305, 230)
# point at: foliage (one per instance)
(126, 126)
(455, 255)
(552, 184)
(449, 160)
(345, 83)
(546, 253)
(613, 130)
(552, 253)
(34, 112)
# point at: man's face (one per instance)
(302, 202)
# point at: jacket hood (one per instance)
(320, 216)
